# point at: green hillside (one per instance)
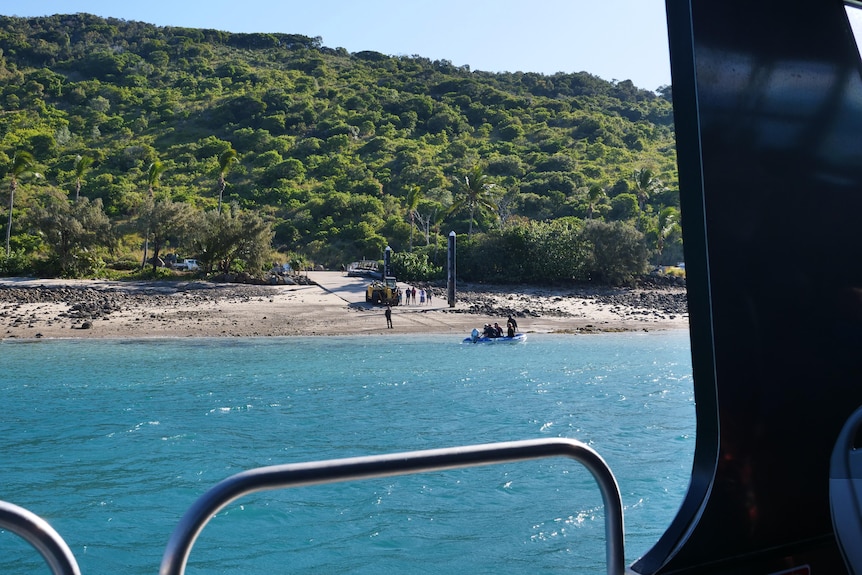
(246, 149)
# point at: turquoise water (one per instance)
(111, 441)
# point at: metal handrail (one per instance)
(338, 470)
(40, 535)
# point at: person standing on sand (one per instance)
(388, 314)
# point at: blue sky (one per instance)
(613, 39)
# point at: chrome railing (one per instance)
(60, 559)
(337, 470)
(40, 535)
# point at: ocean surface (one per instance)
(111, 442)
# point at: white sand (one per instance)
(37, 308)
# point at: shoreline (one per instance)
(332, 305)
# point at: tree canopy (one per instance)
(330, 155)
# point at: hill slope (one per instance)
(334, 149)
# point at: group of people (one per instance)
(410, 295)
(497, 331)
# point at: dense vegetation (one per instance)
(123, 141)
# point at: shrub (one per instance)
(413, 267)
(16, 264)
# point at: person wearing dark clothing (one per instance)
(498, 331)
(510, 330)
(512, 322)
(388, 314)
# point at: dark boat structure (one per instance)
(768, 114)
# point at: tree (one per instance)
(646, 184)
(356, 126)
(155, 170)
(623, 207)
(505, 206)
(22, 165)
(425, 222)
(225, 160)
(298, 262)
(233, 239)
(72, 231)
(594, 195)
(81, 165)
(413, 197)
(415, 267)
(435, 221)
(668, 224)
(162, 219)
(254, 245)
(476, 194)
(618, 252)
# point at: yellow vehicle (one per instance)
(385, 291)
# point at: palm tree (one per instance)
(646, 184)
(476, 193)
(81, 165)
(225, 160)
(155, 170)
(22, 164)
(668, 223)
(413, 197)
(594, 194)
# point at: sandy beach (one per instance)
(330, 304)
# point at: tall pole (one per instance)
(11, 205)
(451, 267)
(387, 257)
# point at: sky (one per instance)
(615, 40)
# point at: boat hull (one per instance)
(517, 338)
